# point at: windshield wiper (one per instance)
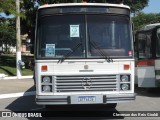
(70, 52)
(107, 58)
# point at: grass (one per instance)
(8, 65)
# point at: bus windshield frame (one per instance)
(84, 36)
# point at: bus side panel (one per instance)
(146, 76)
(157, 72)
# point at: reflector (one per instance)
(44, 68)
(126, 67)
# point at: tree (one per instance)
(8, 7)
(142, 19)
(7, 25)
(7, 33)
(136, 5)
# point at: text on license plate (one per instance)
(87, 99)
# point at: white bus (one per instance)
(147, 45)
(84, 54)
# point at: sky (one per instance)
(153, 7)
(2, 14)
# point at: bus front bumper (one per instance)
(83, 99)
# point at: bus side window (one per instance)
(144, 45)
(158, 43)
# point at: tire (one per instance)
(49, 107)
(112, 105)
(55, 107)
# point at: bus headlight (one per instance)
(125, 86)
(124, 78)
(46, 79)
(46, 88)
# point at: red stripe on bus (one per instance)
(142, 63)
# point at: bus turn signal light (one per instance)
(126, 67)
(44, 68)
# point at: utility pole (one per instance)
(18, 40)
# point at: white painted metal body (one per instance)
(74, 78)
(148, 76)
(83, 4)
(95, 68)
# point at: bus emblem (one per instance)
(86, 83)
(85, 67)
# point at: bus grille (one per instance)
(86, 83)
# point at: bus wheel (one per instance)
(52, 107)
(48, 107)
(112, 105)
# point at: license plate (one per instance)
(87, 99)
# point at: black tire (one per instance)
(48, 107)
(112, 105)
(54, 107)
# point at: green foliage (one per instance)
(143, 19)
(7, 26)
(8, 6)
(136, 5)
(8, 65)
(56, 1)
(7, 32)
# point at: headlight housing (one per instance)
(46, 84)
(46, 79)
(125, 78)
(125, 86)
(46, 88)
(125, 82)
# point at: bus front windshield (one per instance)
(83, 36)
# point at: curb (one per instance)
(20, 94)
(15, 77)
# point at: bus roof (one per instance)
(150, 26)
(84, 4)
(148, 29)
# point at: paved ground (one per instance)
(16, 86)
(145, 101)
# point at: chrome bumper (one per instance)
(101, 99)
